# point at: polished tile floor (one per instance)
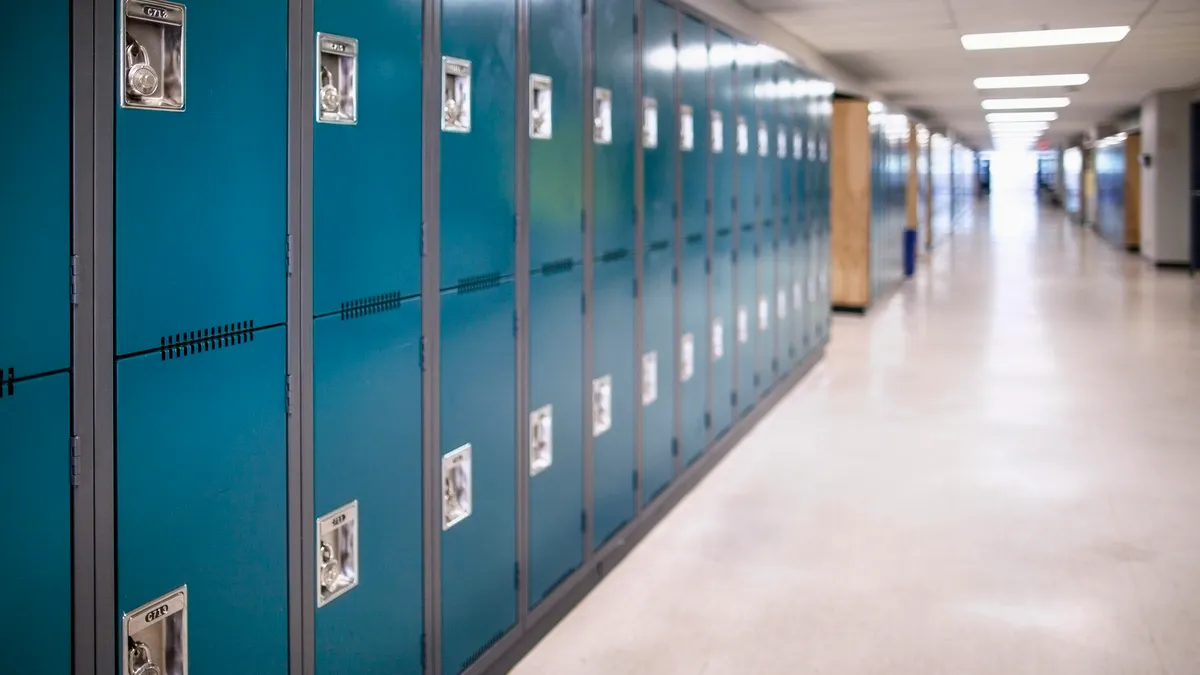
(996, 472)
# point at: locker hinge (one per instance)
(423, 652)
(734, 200)
(707, 420)
(583, 7)
(74, 281)
(708, 266)
(735, 256)
(733, 398)
(756, 253)
(424, 245)
(757, 200)
(583, 221)
(674, 210)
(674, 447)
(517, 575)
(635, 287)
(756, 379)
(708, 206)
(583, 520)
(287, 394)
(675, 276)
(74, 461)
(287, 251)
(675, 39)
(635, 24)
(635, 480)
(583, 304)
(516, 324)
(421, 354)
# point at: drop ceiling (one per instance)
(909, 52)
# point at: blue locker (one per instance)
(201, 195)
(366, 342)
(555, 297)
(35, 184)
(367, 176)
(35, 426)
(202, 487)
(802, 227)
(615, 360)
(478, 168)
(724, 223)
(478, 384)
(693, 288)
(659, 444)
(201, 299)
(616, 363)
(768, 190)
(556, 380)
(788, 348)
(367, 447)
(823, 222)
(658, 368)
(747, 255)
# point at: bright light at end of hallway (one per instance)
(1019, 126)
(1025, 103)
(1031, 81)
(1022, 117)
(1045, 38)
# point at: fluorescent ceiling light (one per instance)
(1022, 117)
(1045, 38)
(1025, 103)
(1028, 81)
(1020, 126)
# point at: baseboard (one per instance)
(509, 651)
(1173, 265)
(849, 309)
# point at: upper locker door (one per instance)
(724, 219)
(201, 234)
(786, 351)
(478, 344)
(746, 219)
(767, 202)
(367, 460)
(35, 339)
(693, 137)
(659, 148)
(555, 294)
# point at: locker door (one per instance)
(35, 338)
(786, 351)
(615, 360)
(478, 359)
(659, 446)
(200, 234)
(724, 222)
(366, 342)
(768, 245)
(695, 335)
(747, 246)
(556, 390)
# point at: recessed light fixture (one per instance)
(1025, 103)
(1030, 81)
(1022, 116)
(1045, 38)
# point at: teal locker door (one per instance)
(556, 389)
(660, 143)
(35, 339)
(747, 248)
(768, 210)
(786, 352)
(695, 418)
(35, 429)
(366, 342)
(724, 221)
(200, 281)
(615, 360)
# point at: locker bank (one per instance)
(356, 338)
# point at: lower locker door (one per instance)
(658, 373)
(202, 495)
(367, 449)
(479, 498)
(764, 317)
(35, 490)
(693, 350)
(613, 405)
(746, 328)
(723, 331)
(556, 399)
(788, 347)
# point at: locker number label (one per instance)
(649, 378)
(764, 313)
(601, 405)
(687, 357)
(718, 339)
(743, 325)
(541, 439)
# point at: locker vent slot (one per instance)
(695, 239)
(7, 380)
(747, 227)
(723, 232)
(659, 245)
(558, 267)
(615, 254)
(479, 283)
(193, 342)
(374, 304)
(482, 650)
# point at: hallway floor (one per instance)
(995, 472)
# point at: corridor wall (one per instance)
(1073, 182)
(368, 337)
(1118, 186)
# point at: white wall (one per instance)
(1166, 189)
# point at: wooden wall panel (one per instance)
(1133, 192)
(850, 197)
